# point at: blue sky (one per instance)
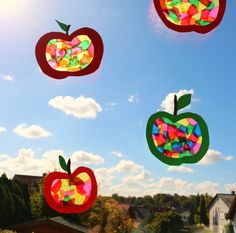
(143, 62)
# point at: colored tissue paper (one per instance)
(71, 56)
(177, 139)
(190, 12)
(200, 16)
(75, 192)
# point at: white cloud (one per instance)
(180, 169)
(230, 187)
(86, 158)
(117, 154)
(143, 176)
(125, 178)
(229, 158)
(182, 187)
(27, 163)
(104, 177)
(53, 155)
(2, 129)
(214, 156)
(207, 187)
(112, 104)
(81, 107)
(32, 132)
(7, 77)
(129, 166)
(133, 98)
(168, 103)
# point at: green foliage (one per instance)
(229, 228)
(39, 206)
(14, 199)
(200, 229)
(203, 212)
(167, 222)
(109, 217)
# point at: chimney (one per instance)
(233, 192)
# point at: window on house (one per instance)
(222, 215)
(215, 217)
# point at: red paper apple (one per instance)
(60, 55)
(200, 16)
(70, 192)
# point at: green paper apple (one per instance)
(177, 139)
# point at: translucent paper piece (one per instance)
(177, 140)
(70, 55)
(76, 192)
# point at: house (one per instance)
(25, 179)
(185, 214)
(218, 208)
(51, 225)
(140, 213)
(231, 215)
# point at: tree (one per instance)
(203, 212)
(14, 199)
(229, 228)
(39, 206)
(168, 222)
(148, 201)
(198, 199)
(107, 217)
(7, 207)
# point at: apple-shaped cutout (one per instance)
(60, 55)
(199, 16)
(69, 193)
(177, 139)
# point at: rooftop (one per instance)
(55, 224)
(25, 179)
(227, 199)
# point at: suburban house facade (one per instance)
(140, 213)
(185, 216)
(219, 212)
(231, 215)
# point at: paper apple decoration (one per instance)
(60, 55)
(177, 139)
(200, 16)
(70, 192)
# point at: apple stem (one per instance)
(175, 106)
(68, 28)
(69, 166)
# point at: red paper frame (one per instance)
(71, 208)
(41, 45)
(191, 28)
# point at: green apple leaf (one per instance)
(183, 101)
(63, 26)
(62, 163)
